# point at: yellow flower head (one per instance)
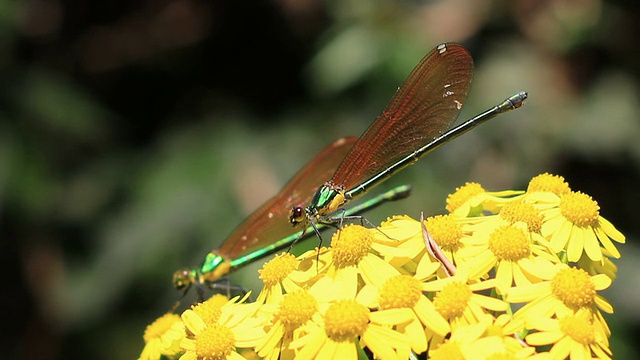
(579, 208)
(548, 183)
(296, 309)
(517, 211)
(162, 337)
(574, 225)
(509, 243)
(489, 338)
(276, 277)
(572, 335)
(346, 325)
(345, 320)
(457, 301)
(446, 231)
(472, 199)
(236, 328)
(350, 245)
(209, 311)
(567, 290)
(400, 291)
(463, 195)
(278, 269)
(516, 254)
(574, 288)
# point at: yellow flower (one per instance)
(516, 253)
(573, 336)
(209, 311)
(286, 273)
(520, 211)
(490, 338)
(398, 240)
(236, 328)
(548, 183)
(346, 325)
(398, 291)
(455, 298)
(567, 290)
(472, 199)
(294, 311)
(574, 224)
(353, 258)
(162, 337)
(448, 232)
(499, 338)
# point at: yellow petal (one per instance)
(610, 230)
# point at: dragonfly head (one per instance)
(297, 215)
(184, 278)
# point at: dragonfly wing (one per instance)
(269, 223)
(423, 108)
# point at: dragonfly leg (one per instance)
(224, 285)
(331, 221)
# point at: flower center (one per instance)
(451, 301)
(400, 291)
(549, 183)
(579, 327)
(509, 243)
(573, 287)
(159, 327)
(350, 245)
(296, 308)
(462, 195)
(214, 342)
(445, 230)
(345, 319)
(520, 211)
(277, 269)
(580, 209)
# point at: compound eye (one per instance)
(182, 279)
(297, 215)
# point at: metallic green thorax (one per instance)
(326, 200)
(211, 262)
(323, 197)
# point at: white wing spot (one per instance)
(447, 93)
(442, 48)
(458, 104)
(270, 215)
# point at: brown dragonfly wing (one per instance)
(270, 223)
(425, 106)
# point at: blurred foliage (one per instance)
(134, 135)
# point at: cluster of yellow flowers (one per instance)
(512, 274)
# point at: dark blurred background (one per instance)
(134, 136)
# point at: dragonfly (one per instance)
(266, 230)
(416, 122)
